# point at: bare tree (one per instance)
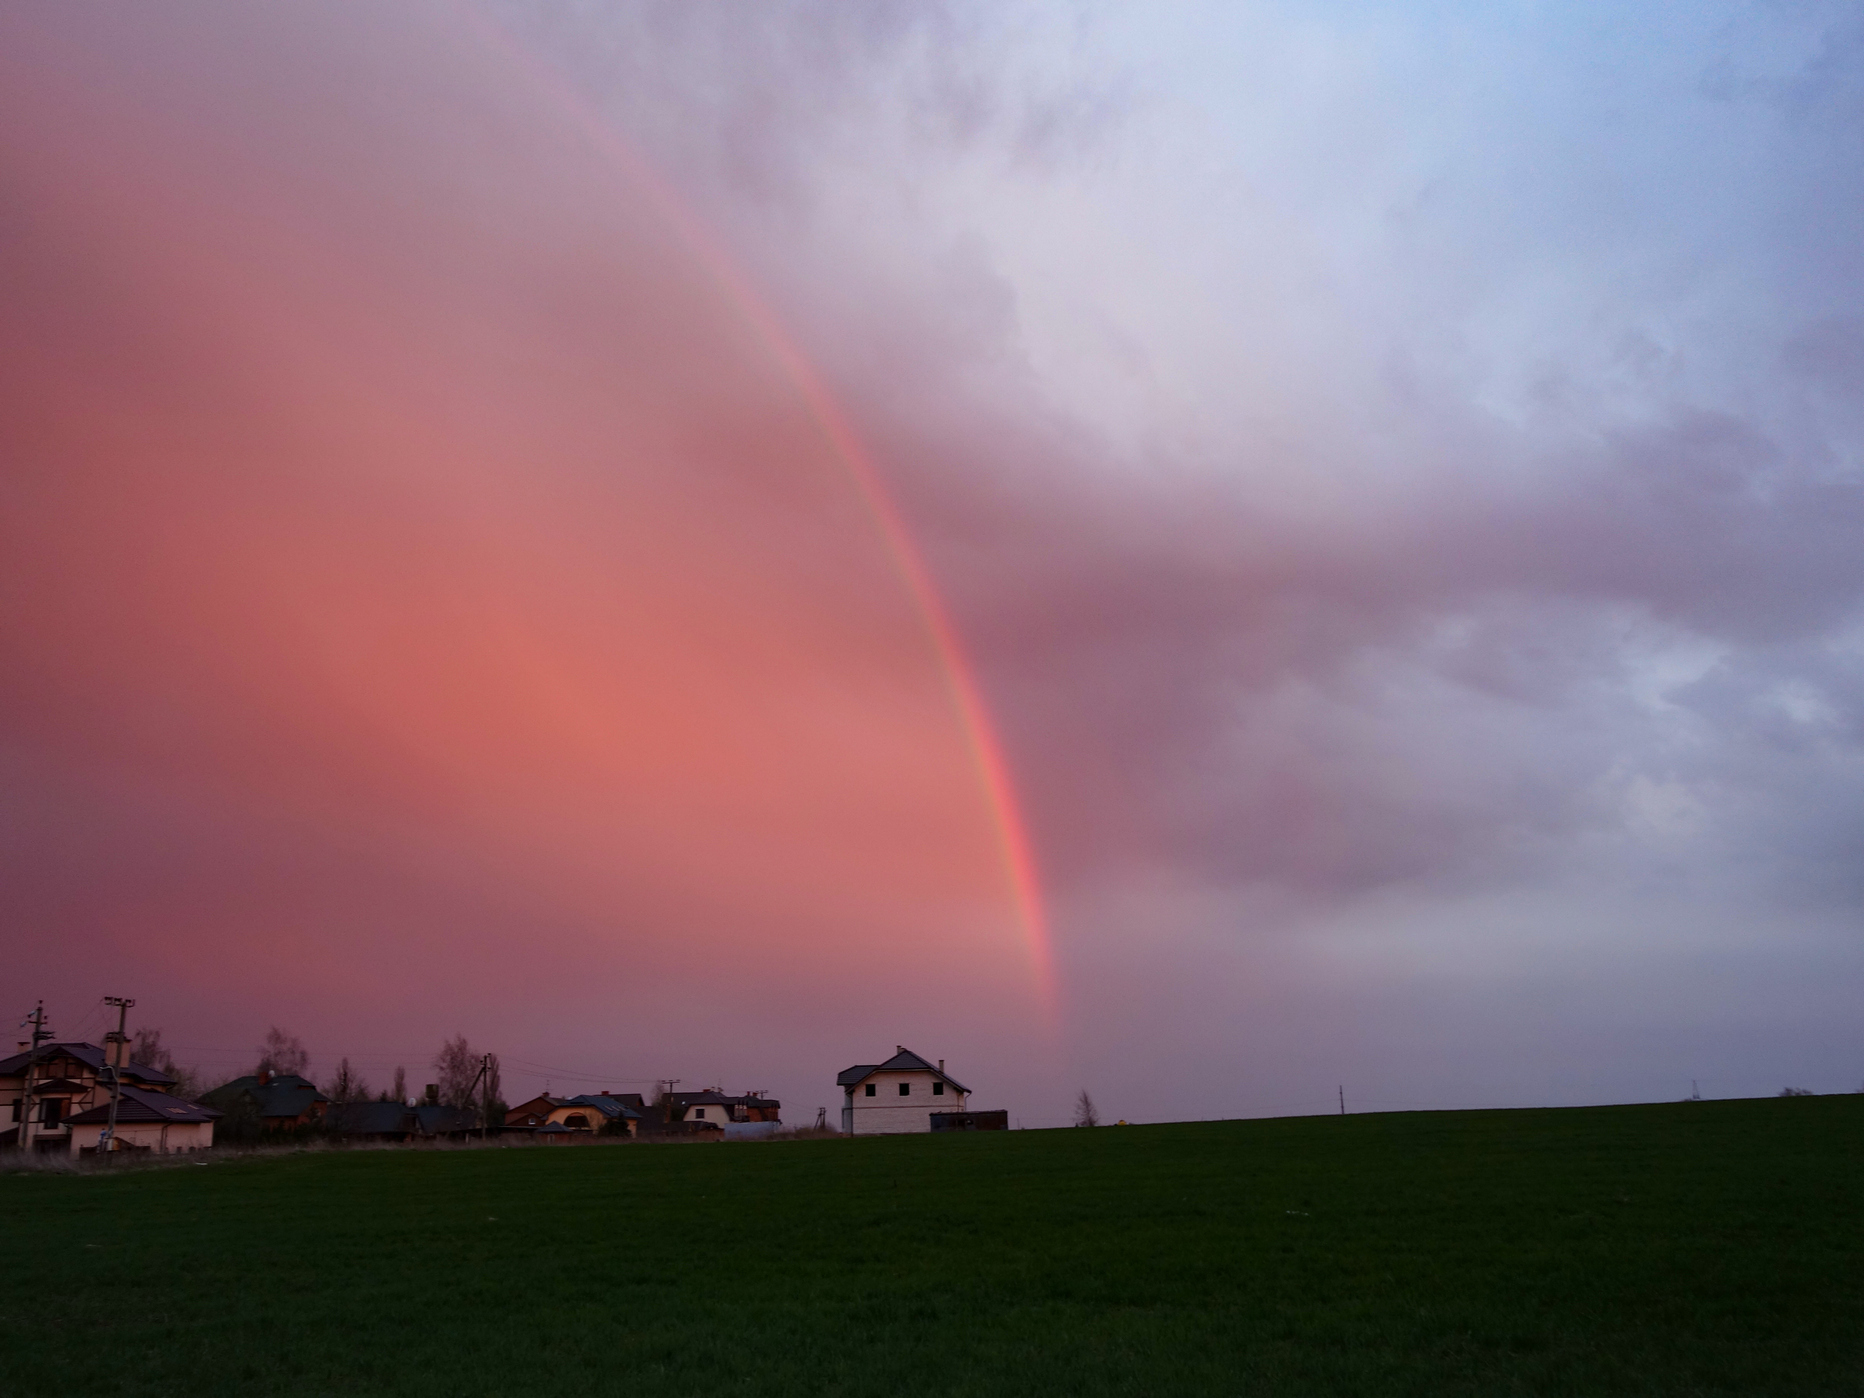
(282, 1053)
(457, 1066)
(149, 1050)
(347, 1085)
(1085, 1113)
(400, 1093)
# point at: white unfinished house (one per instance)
(900, 1095)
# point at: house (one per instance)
(371, 1121)
(145, 1120)
(269, 1102)
(713, 1108)
(900, 1095)
(43, 1089)
(973, 1121)
(615, 1114)
(528, 1116)
(595, 1112)
(397, 1121)
(435, 1121)
(753, 1115)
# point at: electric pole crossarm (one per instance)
(39, 1035)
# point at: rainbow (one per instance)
(960, 675)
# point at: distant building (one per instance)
(269, 1102)
(595, 1112)
(898, 1096)
(590, 1113)
(530, 1115)
(43, 1090)
(145, 1120)
(397, 1121)
(971, 1121)
(713, 1108)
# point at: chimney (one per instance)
(433, 1094)
(941, 1065)
(265, 1077)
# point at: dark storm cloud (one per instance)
(1615, 625)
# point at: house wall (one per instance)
(593, 1115)
(180, 1135)
(537, 1107)
(94, 1092)
(888, 1113)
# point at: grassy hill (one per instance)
(1703, 1248)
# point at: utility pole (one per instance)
(1342, 1099)
(39, 1035)
(120, 1041)
(485, 1069)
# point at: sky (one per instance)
(1230, 555)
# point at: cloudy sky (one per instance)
(1209, 553)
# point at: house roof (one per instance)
(708, 1098)
(444, 1121)
(139, 1104)
(286, 1094)
(58, 1087)
(90, 1056)
(905, 1061)
(370, 1118)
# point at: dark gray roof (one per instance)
(89, 1055)
(371, 1119)
(137, 1104)
(905, 1061)
(708, 1098)
(444, 1121)
(286, 1094)
(53, 1087)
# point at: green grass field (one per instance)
(1712, 1248)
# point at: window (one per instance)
(870, 1089)
(699, 1113)
(906, 1089)
(938, 1089)
(53, 1111)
